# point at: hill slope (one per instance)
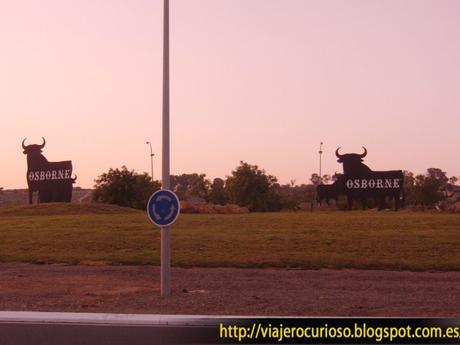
(365, 240)
(63, 209)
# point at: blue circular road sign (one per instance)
(163, 207)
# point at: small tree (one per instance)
(125, 188)
(217, 194)
(251, 187)
(190, 185)
(315, 179)
(427, 188)
(438, 176)
(199, 187)
(453, 180)
(409, 187)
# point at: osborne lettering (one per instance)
(373, 183)
(49, 175)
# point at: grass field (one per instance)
(95, 234)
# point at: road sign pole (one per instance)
(320, 153)
(165, 263)
(165, 246)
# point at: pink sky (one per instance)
(262, 81)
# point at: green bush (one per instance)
(251, 187)
(124, 188)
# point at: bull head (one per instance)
(33, 148)
(352, 156)
(352, 162)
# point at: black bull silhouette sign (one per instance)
(359, 182)
(52, 180)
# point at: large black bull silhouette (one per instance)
(52, 180)
(360, 182)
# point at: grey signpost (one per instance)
(163, 207)
(165, 246)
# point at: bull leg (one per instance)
(397, 202)
(336, 202)
(69, 193)
(381, 203)
(30, 196)
(350, 203)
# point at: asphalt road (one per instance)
(60, 334)
(35, 328)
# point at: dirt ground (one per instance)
(228, 291)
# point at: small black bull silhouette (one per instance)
(327, 192)
(361, 182)
(52, 180)
(333, 191)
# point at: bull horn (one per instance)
(44, 142)
(337, 153)
(24, 146)
(364, 154)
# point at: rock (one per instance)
(188, 206)
(455, 208)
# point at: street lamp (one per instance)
(320, 153)
(151, 158)
(165, 178)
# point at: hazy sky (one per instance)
(262, 81)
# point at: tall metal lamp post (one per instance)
(151, 158)
(165, 178)
(320, 153)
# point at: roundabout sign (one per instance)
(163, 208)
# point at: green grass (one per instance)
(359, 239)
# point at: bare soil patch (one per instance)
(229, 291)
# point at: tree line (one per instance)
(251, 187)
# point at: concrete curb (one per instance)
(116, 319)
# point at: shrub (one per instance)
(124, 188)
